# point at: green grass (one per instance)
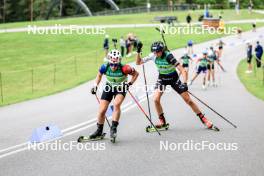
(59, 62)
(136, 18)
(254, 81)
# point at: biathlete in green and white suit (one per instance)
(212, 55)
(116, 87)
(167, 64)
(202, 68)
(186, 62)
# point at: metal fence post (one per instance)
(32, 80)
(263, 75)
(75, 66)
(54, 74)
(1, 86)
(254, 67)
(96, 57)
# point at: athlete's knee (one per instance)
(117, 106)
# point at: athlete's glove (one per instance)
(139, 47)
(94, 90)
(184, 86)
(127, 85)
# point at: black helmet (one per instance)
(157, 46)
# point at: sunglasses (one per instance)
(113, 65)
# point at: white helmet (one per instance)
(114, 56)
(205, 52)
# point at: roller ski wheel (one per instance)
(87, 138)
(215, 128)
(150, 129)
(113, 134)
(208, 124)
(113, 139)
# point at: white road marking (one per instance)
(86, 125)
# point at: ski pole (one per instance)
(146, 89)
(162, 36)
(212, 110)
(143, 111)
(105, 115)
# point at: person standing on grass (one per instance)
(106, 44)
(259, 53)
(249, 57)
(189, 19)
(122, 46)
(250, 7)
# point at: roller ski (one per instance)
(161, 126)
(208, 124)
(97, 135)
(88, 138)
(113, 131)
(150, 129)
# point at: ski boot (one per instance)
(162, 125)
(214, 84)
(97, 135)
(204, 87)
(190, 83)
(207, 122)
(113, 131)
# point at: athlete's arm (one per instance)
(134, 76)
(98, 78)
(100, 74)
(183, 73)
(126, 69)
(140, 60)
(97, 82)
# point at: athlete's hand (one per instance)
(184, 86)
(94, 90)
(127, 85)
(139, 47)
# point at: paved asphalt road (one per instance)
(137, 152)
